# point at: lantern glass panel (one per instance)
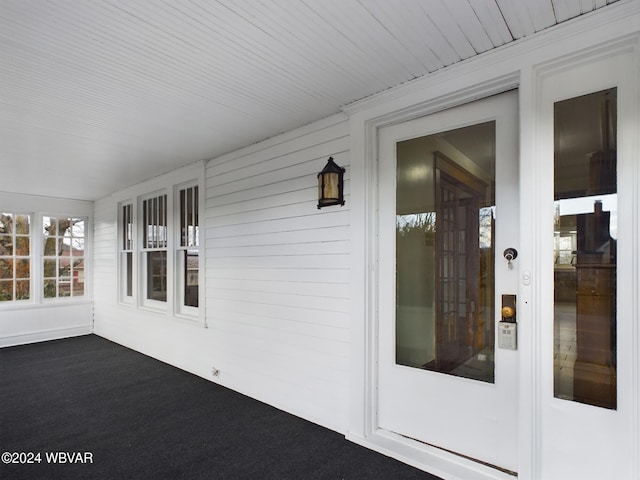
(331, 188)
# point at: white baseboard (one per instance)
(43, 336)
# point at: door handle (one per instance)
(508, 310)
(507, 327)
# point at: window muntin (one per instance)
(154, 246)
(63, 259)
(15, 257)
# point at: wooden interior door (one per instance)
(459, 326)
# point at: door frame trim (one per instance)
(440, 462)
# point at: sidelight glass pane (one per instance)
(445, 219)
(585, 237)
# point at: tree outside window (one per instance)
(63, 257)
(15, 261)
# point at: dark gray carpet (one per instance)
(139, 418)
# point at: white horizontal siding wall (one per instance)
(277, 273)
(277, 279)
(105, 264)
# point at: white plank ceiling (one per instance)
(96, 95)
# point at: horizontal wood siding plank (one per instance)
(223, 301)
(326, 262)
(331, 351)
(104, 255)
(290, 287)
(254, 214)
(334, 128)
(325, 337)
(311, 235)
(282, 299)
(323, 219)
(240, 180)
(287, 187)
(310, 247)
(292, 358)
(300, 275)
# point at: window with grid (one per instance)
(63, 257)
(159, 249)
(15, 257)
(188, 248)
(154, 247)
(126, 252)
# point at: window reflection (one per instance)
(445, 220)
(585, 233)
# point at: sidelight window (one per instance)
(585, 260)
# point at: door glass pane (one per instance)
(585, 236)
(445, 223)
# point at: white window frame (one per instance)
(145, 251)
(127, 248)
(193, 244)
(86, 294)
(15, 258)
(170, 185)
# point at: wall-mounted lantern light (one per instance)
(330, 185)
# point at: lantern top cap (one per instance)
(331, 167)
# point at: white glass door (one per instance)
(448, 210)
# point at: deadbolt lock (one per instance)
(509, 255)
